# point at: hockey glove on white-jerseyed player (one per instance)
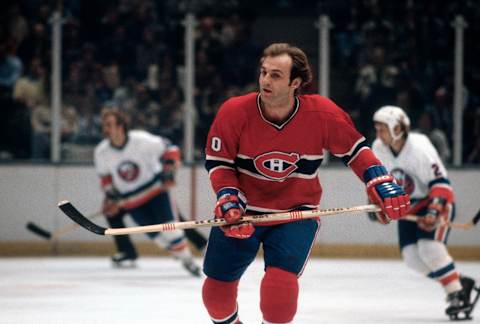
(170, 161)
(111, 204)
(231, 207)
(383, 191)
(167, 176)
(436, 208)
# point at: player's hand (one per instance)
(383, 191)
(229, 206)
(167, 176)
(239, 231)
(111, 208)
(430, 221)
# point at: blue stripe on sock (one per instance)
(231, 320)
(442, 271)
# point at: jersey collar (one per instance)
(281, 126)
(121, 147)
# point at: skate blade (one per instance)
(124, 265)
(463, 314)
(194, 271)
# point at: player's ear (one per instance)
(296, 83)
(397, 129)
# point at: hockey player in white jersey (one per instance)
(135, 169)
(416, 166)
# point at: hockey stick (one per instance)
(193, 235)
(77, 217)
(463, 226)
(51, 236)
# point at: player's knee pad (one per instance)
(220, 300)
(412, 259)
(434, 254)
(278, 295)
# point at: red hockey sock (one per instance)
(220, 299)
(279, 295)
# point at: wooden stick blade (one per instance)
(34, 228)
(68, 209)
(476, 218)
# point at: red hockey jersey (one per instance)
(276, 166)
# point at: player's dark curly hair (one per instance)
(300, 66)
(120, 116)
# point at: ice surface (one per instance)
(88, 290)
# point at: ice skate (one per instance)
(123, 260)
(191, 267)
(461, 305)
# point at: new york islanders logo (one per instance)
(128, 171)
(276, 165)
(404, 180)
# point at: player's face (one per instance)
(111, 129)
(274, 79)
(383, 133)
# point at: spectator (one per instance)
(442, 111)
(17, 24)
(436, 136)
(409, 96)
(149, 52)
(10, 68)
(41, 129)
(14, 114)
(36, 44)
(474, 154)
(30, 88)
(375, 86)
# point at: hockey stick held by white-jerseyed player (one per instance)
(54, 235)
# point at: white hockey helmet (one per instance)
(392, 116)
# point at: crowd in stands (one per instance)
(130, 54)
(403, 52)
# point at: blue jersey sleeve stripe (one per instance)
(438, 181)
(210, 164)
(346, 159)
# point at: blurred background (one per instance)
(170, 64)
(131, 54)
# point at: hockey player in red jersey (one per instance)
(415, 163)
(263, 155)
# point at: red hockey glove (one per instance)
(430, 221)
(239, 231)
(383, 191)
(230, 207)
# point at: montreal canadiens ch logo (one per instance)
(404, 180)
(128, 171)
(276, 165)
